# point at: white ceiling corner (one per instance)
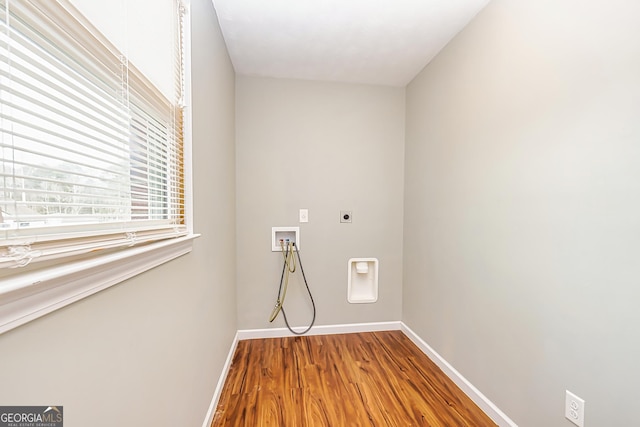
(356, 41)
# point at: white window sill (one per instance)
(25, 297)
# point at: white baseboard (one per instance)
(469, 389)
(223, 377)
(246, 334)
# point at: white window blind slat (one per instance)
(48, 74)
(38, 76)
(37, 138)
(69, 41)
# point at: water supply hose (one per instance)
(289, 260)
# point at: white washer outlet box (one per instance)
(286, 234)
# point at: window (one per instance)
(93, 158)
(91, 152)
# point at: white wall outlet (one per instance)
(346, 216)
(304, 215)
(574, 409)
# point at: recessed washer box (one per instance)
(292, 234)
(362, 280)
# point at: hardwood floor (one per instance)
(363, 379)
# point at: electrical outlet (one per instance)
(574, 409)
(345, 216)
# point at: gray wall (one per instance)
(522, 231)
(324, 147)
(148, 352)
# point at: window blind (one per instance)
(91, 152)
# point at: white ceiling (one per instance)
(357, 41)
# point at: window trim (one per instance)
(26, 296)
(29, 296)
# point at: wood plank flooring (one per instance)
(363, 379)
